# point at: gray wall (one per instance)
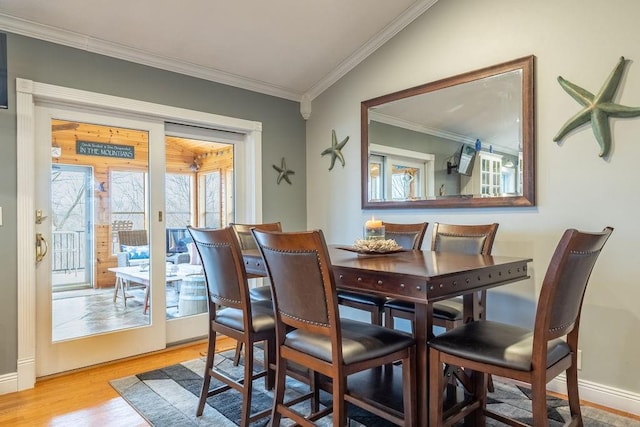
(582, 40)
(283, 135)
(443, 149)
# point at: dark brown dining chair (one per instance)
(234, 314)
(533, 357)
(468, 239)
(409, 236)
(310, 332)
(243, 233)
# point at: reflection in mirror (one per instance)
(465, 141)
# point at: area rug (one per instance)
(169, 397)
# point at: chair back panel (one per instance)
(566, 280)
(466, 239)
(223, 267)
(301, 279)
(409, 236)
(243, 232)
(132, 238)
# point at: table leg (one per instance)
(422, 332)
(120, 286)
(115, 289)
(146, 299)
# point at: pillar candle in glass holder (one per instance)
(374, 229)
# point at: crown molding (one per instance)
(79, 41)
(393, 28)
(114, 50)
(405, 124)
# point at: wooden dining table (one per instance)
(419, 276)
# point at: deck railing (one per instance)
(68, 252)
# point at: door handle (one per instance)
(41, 247)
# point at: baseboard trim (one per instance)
(609, 397)
(9, 383)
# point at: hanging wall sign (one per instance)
(87, 148)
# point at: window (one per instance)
(128, 190)
(216, 198)
(398, 174)
(178, 191)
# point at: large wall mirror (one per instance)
(463, 141)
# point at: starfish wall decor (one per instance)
(597, 109)
(283, 172)
(335, 149)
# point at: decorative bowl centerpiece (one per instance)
(369, 246)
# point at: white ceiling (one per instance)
(293, 49)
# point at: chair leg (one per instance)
(278, 398)
(269, 360)
(236, 357)
(204, 393)
(480, 392)
(490, 387)
(573, 394)
(339, 407)
(314, 387)
(247, 389)
(539, 403)
(436, 388)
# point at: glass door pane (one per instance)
(72, 233)
(98, 192)
(198, 189)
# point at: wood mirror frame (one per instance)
(525, 169)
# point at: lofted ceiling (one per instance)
(287, 48)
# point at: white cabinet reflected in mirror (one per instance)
(465, 141)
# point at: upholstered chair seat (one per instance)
(260, 293)
(360, 341)
(447, 310)
(261, 317)
(498, 344)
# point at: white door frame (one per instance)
(28, 94)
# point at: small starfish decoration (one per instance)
(334, 150)
(597, 109)
(283, 172)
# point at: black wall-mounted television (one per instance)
(465, 161)
(177, 240)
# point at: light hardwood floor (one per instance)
(85, 398)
